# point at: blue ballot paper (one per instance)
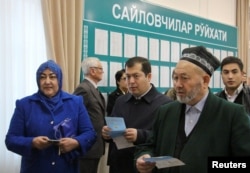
(155, 159)
(117, 126)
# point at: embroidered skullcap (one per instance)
(55, 68)
(202, 58)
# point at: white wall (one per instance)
(223, 11)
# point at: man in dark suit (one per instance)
(197, 126)
(232, 75)
(137, 107)
(95, 104)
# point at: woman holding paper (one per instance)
(51, 128)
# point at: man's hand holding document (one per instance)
(164, 161)
(118, 127)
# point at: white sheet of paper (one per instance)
(165, 161)
(122, 143)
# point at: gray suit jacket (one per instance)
(95, 104)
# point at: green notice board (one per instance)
(115, 30)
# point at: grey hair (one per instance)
(89, 62)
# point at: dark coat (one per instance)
(138, 114)
(243, 97)
(112, 98)
(223, 129)
(95, 104)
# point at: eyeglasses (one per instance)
(99, 68)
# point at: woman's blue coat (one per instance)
(33, 118)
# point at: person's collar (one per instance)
(122, 91)
(199, 106)
(236, 92)
(148, 96)
(139, 97)
(91, 81)
(119, 91)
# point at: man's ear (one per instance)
(91, 71)
(206, 79)
(149, 76)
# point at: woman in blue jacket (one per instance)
(51, 128)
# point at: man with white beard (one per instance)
(199, 125)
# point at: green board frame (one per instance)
(115, 30)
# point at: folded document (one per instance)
(118, 128)
(164, 161)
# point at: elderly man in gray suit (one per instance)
(95, 104)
